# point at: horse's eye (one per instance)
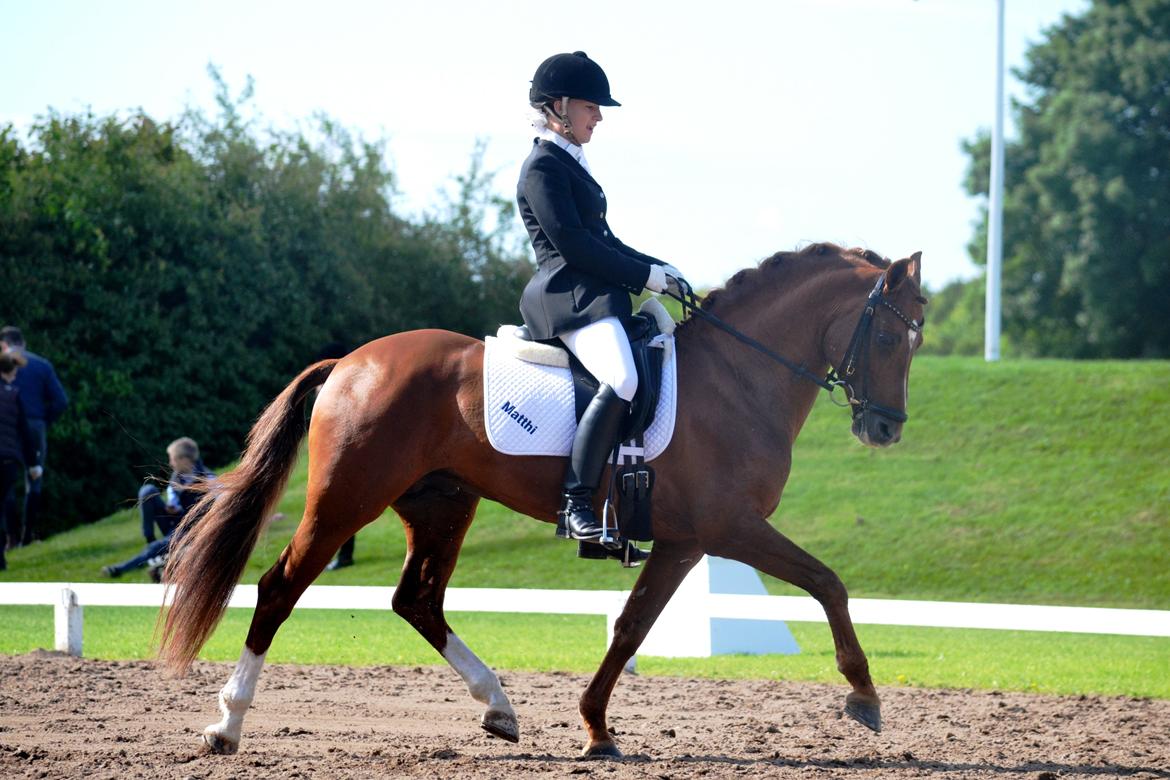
(886, 339)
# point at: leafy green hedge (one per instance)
(179, 274)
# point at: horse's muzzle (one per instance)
(876, 430)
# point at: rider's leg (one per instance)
(604, 350)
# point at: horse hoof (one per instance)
(607, 749)
(867, 713)
(219, 745)
(501, 724)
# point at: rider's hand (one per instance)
(656, 281)
(675, 283)
(667, 278)
(35, 472)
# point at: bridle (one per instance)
(858, 353)
(851, 364)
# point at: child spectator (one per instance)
(166, 509)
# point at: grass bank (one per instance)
(1042, 482)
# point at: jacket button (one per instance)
(605, 232)
(603, 215)
(603, 196)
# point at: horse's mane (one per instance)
(748, 280)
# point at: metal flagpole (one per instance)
(995, 206)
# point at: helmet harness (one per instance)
(560, 110)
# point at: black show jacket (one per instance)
(584, 273)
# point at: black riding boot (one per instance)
(597, 433)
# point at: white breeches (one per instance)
(602, 347)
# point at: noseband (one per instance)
(840, 377)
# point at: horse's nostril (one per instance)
(884, 430)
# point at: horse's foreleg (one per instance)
(663, 571)
(436, 519)
(758, 544)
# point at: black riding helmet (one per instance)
(573, 76)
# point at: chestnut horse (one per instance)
(400, 423)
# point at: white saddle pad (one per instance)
(529, 407)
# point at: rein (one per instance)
(688, 300)
(835, 377)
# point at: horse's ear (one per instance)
(911, 266)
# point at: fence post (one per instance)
(67, 622)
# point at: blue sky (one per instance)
(746, 127)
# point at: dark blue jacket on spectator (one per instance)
(16, 440)
(40, 389)
(180, 483)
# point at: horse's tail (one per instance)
(212, 545)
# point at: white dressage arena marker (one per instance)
(689, 628)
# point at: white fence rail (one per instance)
(68, 599)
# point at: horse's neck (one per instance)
(789, 314)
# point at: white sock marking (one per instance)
(482, 683)
(236, 696)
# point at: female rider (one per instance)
(585, 275)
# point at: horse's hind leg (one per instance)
(660, 577)
(329, 520)
(756, 543)
(234, 699)
(436, 516)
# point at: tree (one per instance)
(179, 274)
(1087, 188)
(479, 227)
(955, 319)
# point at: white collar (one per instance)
(575, 151)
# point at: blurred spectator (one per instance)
(44, 400)
(344, 556)
(166, 509)
(18, 450)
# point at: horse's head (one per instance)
(875, 368)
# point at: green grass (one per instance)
(1003, 660)
(1044, 482)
